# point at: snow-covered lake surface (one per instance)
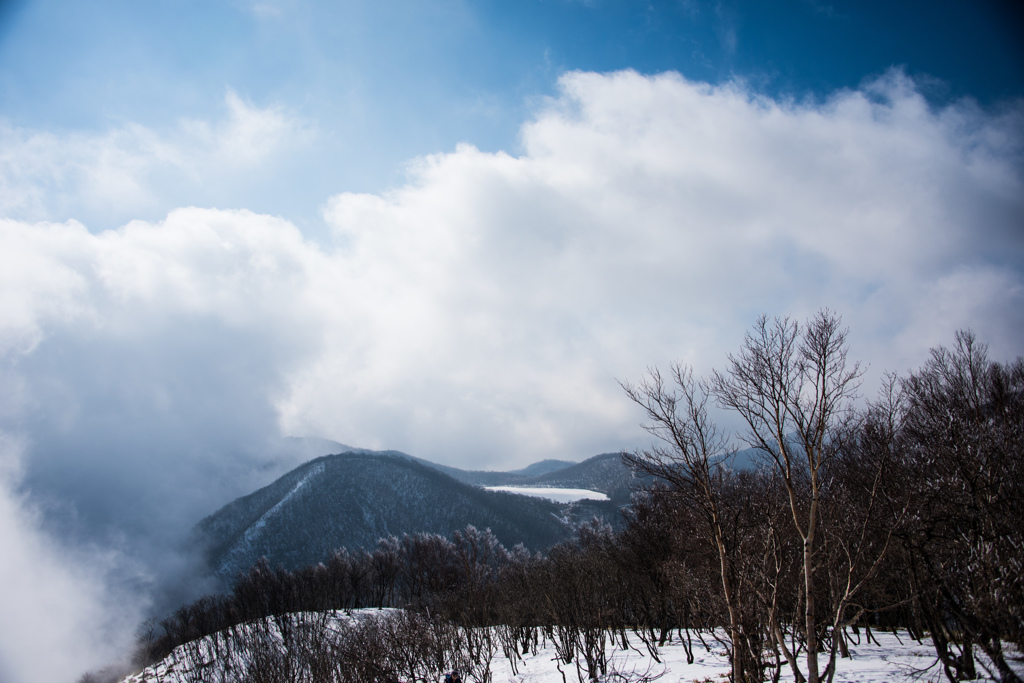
(557, 495)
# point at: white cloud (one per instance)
(488, 305)
(652, 218)
(249, 135)
(131, 169)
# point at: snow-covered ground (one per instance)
(555, 494)
(894, 657)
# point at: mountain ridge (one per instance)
(354, 498)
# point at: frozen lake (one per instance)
(557, 495)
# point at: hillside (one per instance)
(352, 499)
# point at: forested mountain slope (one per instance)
(353, 499)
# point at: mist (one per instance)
(68, 606)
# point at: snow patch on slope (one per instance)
(247, 540)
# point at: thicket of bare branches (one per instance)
(848, 501)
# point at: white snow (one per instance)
(555, 494)
(894, 657)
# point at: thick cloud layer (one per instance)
(649, 219)
(480, 314)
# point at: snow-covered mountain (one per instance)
(352, 499)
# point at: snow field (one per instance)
(888, 657)
(895, 658)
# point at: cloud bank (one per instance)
(480, 314)
(650, 219)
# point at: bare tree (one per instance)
(688, 457)
(965, 432)
(794, 389)
(863, 508)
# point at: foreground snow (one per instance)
(894, 657)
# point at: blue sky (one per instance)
(380, 83)
(447, 228)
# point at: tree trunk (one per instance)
(798, 675)
(810, 621)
